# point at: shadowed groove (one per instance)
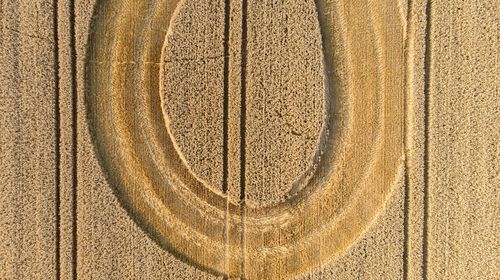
(57, 139)
(225, 154)
(406, 202)
(244, 60)
(243, 106)
(74, 141)
(226, 97)
(427, 85)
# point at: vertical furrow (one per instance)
(243, 98)
(427, 85)
(57, 138)
(225, 121)
(226, 98)
(244, 58)
(74, 136)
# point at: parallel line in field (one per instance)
(225, 136)
(244, 60)
(57, 139)
(427, 85)
(74, 136)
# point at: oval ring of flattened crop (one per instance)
(354, 171)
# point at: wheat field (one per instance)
(245, 139)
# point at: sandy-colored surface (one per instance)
(285, 112)
(27, 146)
(258, 139)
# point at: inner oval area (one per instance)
(246, 115)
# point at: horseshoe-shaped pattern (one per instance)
(359, 161)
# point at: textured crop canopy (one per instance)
(255, 139)
(284, 110)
